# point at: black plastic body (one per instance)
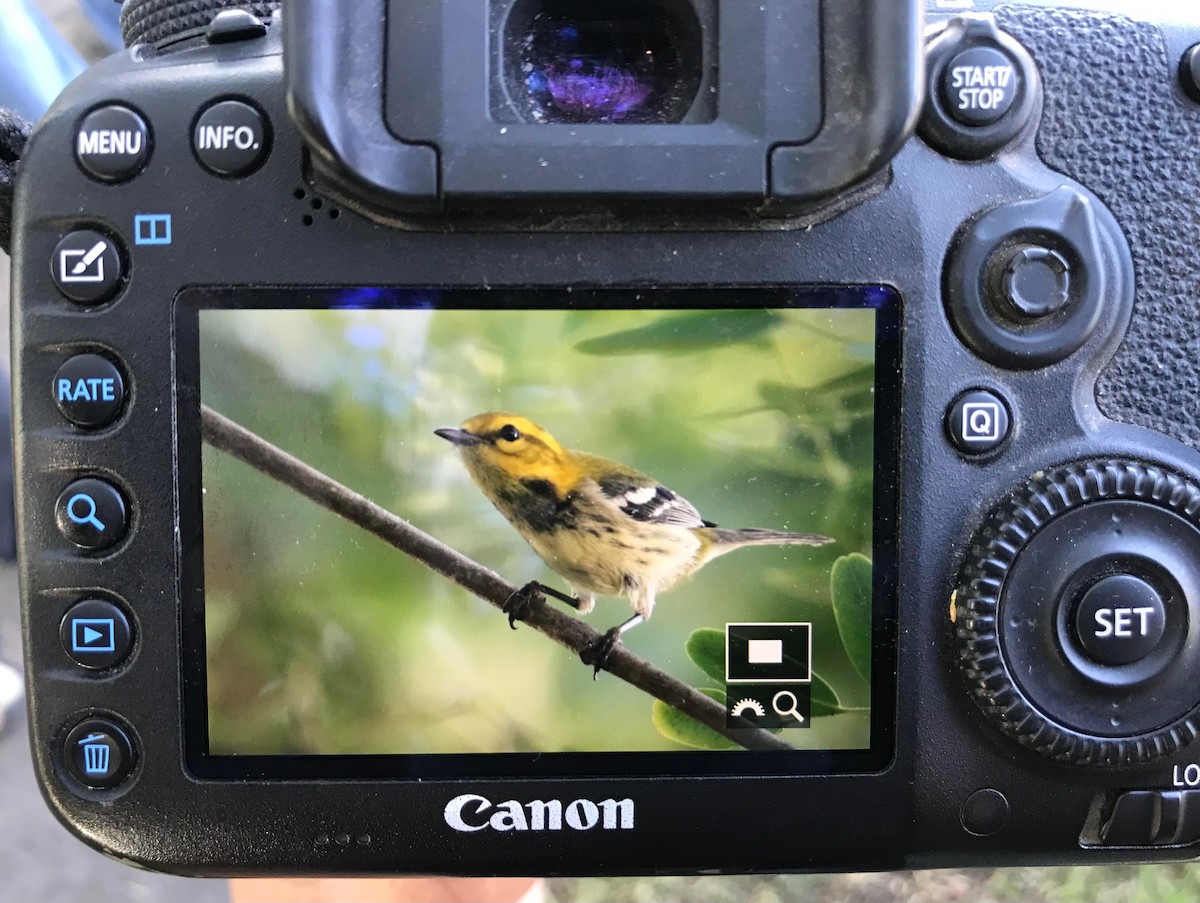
(898, 231)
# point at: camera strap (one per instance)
(14, 132)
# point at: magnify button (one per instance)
(92, 514)
(787, 705)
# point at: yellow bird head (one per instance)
(499, 447)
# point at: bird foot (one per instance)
(597, 653)
(518, 604)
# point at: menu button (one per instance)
(112, 144)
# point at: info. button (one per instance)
(231, 138)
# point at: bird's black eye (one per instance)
(509, 433)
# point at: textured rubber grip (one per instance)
(1115, 120)
(155, 21)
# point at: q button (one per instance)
(92, 514)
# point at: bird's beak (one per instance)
(460, 438)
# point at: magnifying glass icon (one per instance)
(786, 705)
(81, 509)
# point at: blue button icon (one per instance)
(96, 754)
(152, 229)
(93, 635)
(81, 509)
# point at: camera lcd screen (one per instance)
(721, 463)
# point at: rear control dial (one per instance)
(1077, 613)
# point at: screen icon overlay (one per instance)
(768, 674)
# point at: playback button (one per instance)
(96, 634)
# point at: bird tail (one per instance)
(723, 540)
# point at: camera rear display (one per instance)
(712, 470)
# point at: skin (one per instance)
(607, 529)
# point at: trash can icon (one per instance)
(96, 754)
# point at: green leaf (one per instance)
(824, 700)
(850, 586)
(686, 333)
(706, 647)
(687, 731)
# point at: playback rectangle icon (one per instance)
(759, 652)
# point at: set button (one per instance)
(92, 514)
(89, 391)
(1120, 620)
(98, 753)
(96, 634)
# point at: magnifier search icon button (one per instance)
(92, 514)
(787, 705)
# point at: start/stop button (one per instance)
(979, 86)
(982, 90)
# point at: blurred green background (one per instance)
(322, 639)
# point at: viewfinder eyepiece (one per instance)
(603, 62)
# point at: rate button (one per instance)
(89, 391)
(1120, 620)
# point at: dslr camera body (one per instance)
(916, 284)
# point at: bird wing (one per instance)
(642, 499)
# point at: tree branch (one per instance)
(222, 433)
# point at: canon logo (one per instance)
(471, 812)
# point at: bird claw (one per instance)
(598, 652)
(518, 604)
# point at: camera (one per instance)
(809, 385)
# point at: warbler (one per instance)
(607, 529)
